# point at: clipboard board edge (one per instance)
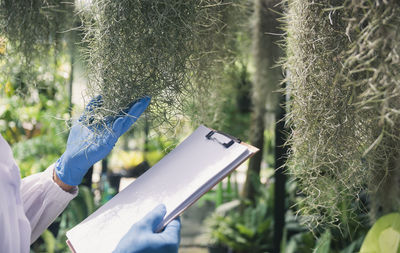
(70, 246)
(252, 150)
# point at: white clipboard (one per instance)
(178, 180)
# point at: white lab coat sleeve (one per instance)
(43, 200)
(14, 227)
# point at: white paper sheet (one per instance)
(178, 180)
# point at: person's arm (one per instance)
(27, 206)
(15, 230)
(45, 195)
(43, 200)
(89, 144)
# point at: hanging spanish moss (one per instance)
(33, 26)
(164, 49)
(372, 70)
(34, 33)
(319, 111)
(343, 72)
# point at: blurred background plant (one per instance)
(33, 119)
(246, 226)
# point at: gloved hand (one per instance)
(142, 238)
(88, 144)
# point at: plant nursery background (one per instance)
(315, 85)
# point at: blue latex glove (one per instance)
(142, 238)
(88, 144)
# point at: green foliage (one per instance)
(156, 147)
(250, 229)
(33, 111)
(299, 239)
(47, 148)
(45, 75)
(305, 242)
(269, 148)
(49, 241)
(227, 191)
(384, 236)
(301, 243)
(161, 143)
(228, 106)
(323, 243)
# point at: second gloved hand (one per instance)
(88, 144)
(142, 237)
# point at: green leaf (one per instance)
(77, 211)
(353, 246)
(291, 246)
(323, 243)
(49, 241)
(245, 230)
(389, 240)
(264, 226)
(87, 198)
(384, 236)
(300, 243)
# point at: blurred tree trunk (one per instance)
(266, 79)
(70, 83)
(281, 152)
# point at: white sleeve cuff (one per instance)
(55, 189)
(43, 200)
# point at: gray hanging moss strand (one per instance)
(163, 49)
(343, 71)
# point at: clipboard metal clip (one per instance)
(211, 136)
